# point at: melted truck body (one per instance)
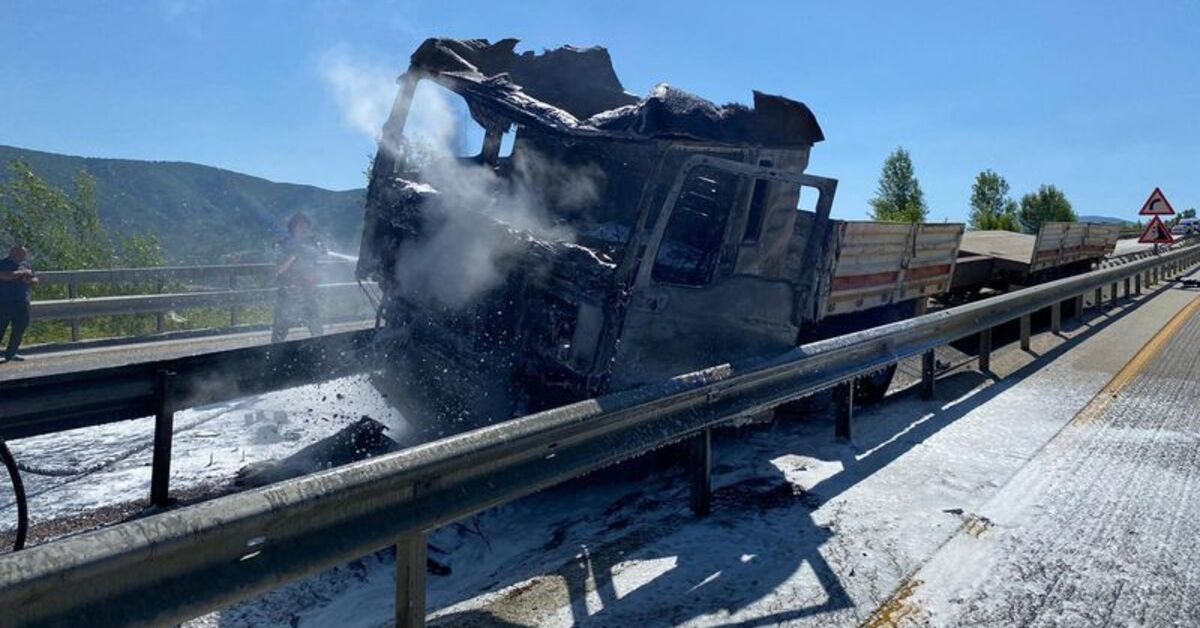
(689, 249)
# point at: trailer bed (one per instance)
(1059, 248)
(884, 263)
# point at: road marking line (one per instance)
(898, 609)
(1135, 366)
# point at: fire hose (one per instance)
(14, 474)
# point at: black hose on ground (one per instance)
(14, 474)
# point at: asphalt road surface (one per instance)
(1099, 528)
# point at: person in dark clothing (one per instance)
(296, 276)
(15, 279)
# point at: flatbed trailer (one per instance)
(1003, 260)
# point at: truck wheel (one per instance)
(870, 389)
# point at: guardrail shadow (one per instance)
(882, 441)
(761, 532)
(733, 560)
(722, 566)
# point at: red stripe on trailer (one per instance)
(851, 282)
(925, 272)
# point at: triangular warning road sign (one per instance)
(1156, 233)
(1156, 205)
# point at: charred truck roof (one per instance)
(576, 91)
(498, 312)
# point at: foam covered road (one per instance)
(1100, 527)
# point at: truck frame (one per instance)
(694, 253)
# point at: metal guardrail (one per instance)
(54, 403)
(1118, 260)
(76, 308)
(182, 563)
(67, 309)
(171, 273)
(46, 404)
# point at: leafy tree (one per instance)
(899, 197)
(63, 230)
(1048, 204)
(991, 206)
(1187, 213)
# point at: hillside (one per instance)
(200, 214)
(1106, 220)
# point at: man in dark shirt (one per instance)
(15, 279)
(296, 274)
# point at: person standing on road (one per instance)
(15, 279)
(296, 276)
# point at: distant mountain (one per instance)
(200, 214)
(1106, 220)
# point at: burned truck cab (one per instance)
(616, 242)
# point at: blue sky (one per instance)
(1099, 98)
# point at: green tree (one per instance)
(899, 197)
(63, 230)
(1047, 204)
(991, 206)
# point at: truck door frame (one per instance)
(648, 297)
(826, 189)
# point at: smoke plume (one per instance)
(362, 90)
(468, 245)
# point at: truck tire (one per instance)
(870, 389)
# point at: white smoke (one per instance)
(462, 254)
(363, 90)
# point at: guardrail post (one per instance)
(72, 293)
(1056, 317)
(234, 314)
(160, 317)
(700, 472)
(1098, 300)
(1137, 284)
(985, 350)
(1026, 329)
(843, 398)
(411, 558)
(1128, 287)
(1113, 293)
(1079, 307)
(928, 374)
(164, 428)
